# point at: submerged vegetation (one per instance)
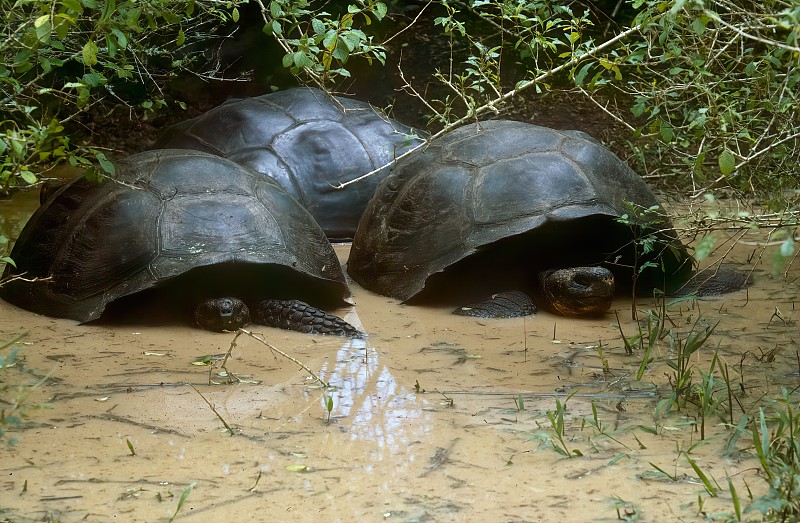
(711, 402)
(15, 401)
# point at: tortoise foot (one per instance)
(511, 304)
(711, 282)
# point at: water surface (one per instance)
(435, 417)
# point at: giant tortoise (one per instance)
(307, 140)
(184, 227)
(506, 205)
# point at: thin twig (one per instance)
(228, 427)
(260, 339)
(716, 18)
(492, 104)
(409, 26)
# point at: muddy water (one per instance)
(435, 417)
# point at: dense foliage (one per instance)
(62, 58)
(708, 90)
(717, 84)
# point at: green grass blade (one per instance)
(710, 488)
(730, 448)
(737, 506)
(645, 362)
(13, 340)
(670, 476)
(761, 444)
(186, 492)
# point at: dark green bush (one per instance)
(61, 58)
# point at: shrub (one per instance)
(62, 58)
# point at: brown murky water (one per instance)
(435, 417)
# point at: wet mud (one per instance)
(434, 417)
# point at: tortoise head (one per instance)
(221, 314)
(577, 291)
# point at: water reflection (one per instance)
(367, 395)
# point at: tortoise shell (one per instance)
(201, 222)
(500, 199)
(307, 140)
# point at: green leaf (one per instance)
(703, 248)
(699, 25)
(90, 53)
(109, 7)
(72, 5)
(111, 45)
(63, 25)
(329, 42)
(94, 79)
(83, 96)
(342, 72)
(105, 163)
(300, 59)
(582, 74)
(122, 40)
(181, 37)
(380, 10)
(275, 10)
(666, 131)
(727, 162)
(235, 14)
(709, 486)
(182, 500)
(340, 53)
(42, 27)
(44, 63)
(639, 107)
(318, 26)
(351, 40)
(737, 506)
(27, 176)
(17, 147)
(41, 21)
